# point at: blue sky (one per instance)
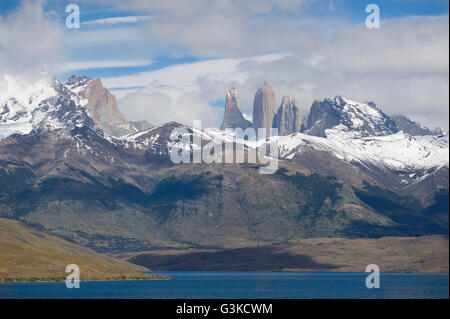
(349, 8)
(166, 59)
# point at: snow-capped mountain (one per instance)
(17, 103)
(364, 118)
(51, 104)
(349, 142)
(356, 134)
(68, 162)
(65, 109)
(409, 165)
(396, 151)
(408, 158)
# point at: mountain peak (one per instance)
(233, 116)
(48, 105)
(233, 92)
(285, 99)
(363, 118)
(102, 106)
(75, 79)
(288, 118)
(264, 107)
(339, 100)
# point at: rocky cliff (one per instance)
(288, 119)
(50, 105)
(102, 108)
(264, 107)
(233, 116)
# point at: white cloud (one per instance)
(403, 66)
(118, 36)
(196, 7)
(84, 65)
(163, 104)
(185, 75)
(116, 20)
(30, 40)
(183, 92)
(121, 93)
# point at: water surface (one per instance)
(207, 284)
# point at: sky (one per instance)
(174, 60)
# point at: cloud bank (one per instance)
(30, 40)
(403, 66)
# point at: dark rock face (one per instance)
(264, 107)
(233, 116)
(413, 128)
(288, 119)
(323, 115)
(364, 118)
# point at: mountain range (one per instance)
(73, 166)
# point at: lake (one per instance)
(207, 284)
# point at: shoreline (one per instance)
(162, 277)
(63, 279)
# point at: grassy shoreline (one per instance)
(63, 279)
(27, 255)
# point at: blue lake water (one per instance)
(206, 284)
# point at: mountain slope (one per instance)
(47, 256)
(98, 204)
(393, 254)
(398, 162)
(413, 128)
(117, 195)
